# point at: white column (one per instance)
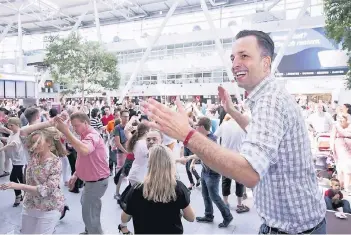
(97, 21)
(219, 47)
(19, 45)
(148, 50)
(281, 52)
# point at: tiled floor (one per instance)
(246, 223)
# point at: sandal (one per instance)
(18, 200)
(242, 209)
(120, 230)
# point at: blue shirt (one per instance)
(206, 169)
(119, 131)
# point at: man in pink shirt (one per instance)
(91, 167)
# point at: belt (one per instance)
(271, 230)
(96, 180)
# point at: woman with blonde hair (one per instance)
(44, 201)
(158, 204)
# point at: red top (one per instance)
(330, 193)
(130, 156)
(105, 119)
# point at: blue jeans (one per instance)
(346, 205)
(210, 193)
(320, 229)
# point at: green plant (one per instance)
(83, 66)
(338, 27)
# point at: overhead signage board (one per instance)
(310, 53)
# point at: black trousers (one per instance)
(191, 173)
(124, 170)
(17, 177)
(72, 157)
(226, 184)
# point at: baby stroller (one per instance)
(323, 159)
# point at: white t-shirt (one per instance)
(139, 168)
(232, 135)
(18, 153)
(321, 123)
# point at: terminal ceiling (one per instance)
(43, 16)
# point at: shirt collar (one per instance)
(251, 98)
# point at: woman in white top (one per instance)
(137, 145)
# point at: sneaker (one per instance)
(225, 223)
(205, 219)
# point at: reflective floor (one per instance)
(246, 223)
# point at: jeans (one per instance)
(210, 193)
(112, 159)
(190, 173)
(320, 229)
(346, 205)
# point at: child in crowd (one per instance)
(15, 150)
(334, 199)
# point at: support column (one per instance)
(97, 22)
(296, 24)
(81, 17)
(148, 50)
(19, 45)
(219, 47)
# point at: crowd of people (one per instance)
(264, 146)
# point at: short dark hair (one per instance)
(30, 114)
(205, 122)
(264, 41)
(94, 112)
(53, 112)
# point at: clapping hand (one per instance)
(226, 100)
(60, 125)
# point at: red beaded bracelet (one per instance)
(190, 134)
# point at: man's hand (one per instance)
(172, 123)
(72, 182)
(226, 100)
